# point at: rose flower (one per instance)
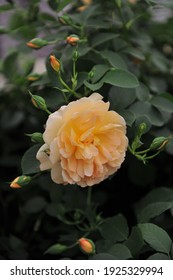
(84, 142)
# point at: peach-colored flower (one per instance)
(84, 142)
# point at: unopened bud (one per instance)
(86, 245)
(159, 143)
(33, 77)
(75, 55)
(37, 43)
(20, 182)
(38, 102)
(91, 74)
(55, 63)
(36, 137)
(65, 19)
(72, 39)
(142, 129)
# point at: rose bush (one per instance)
(84, 142)
(119, 49)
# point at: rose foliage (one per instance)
(86, 129)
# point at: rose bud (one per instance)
(20, 182)
(65, 19)
(36, 137)
(159, 143)
(86, 245)
(33, 77)
(55, 63)
(37, 43)
(38, 102)
(72, 40)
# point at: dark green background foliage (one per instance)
(126, 55)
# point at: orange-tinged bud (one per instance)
(86, 245)
(20, 182)
(55, 63)
(85, 6)
(33, 46)
(33, 77)
(37, 43)
(72, 40)
(14, 184)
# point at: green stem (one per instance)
(54, 42)
(89, 197)
(47, 111)
(130, 150)
(74, 69)
(67, 87)
(150, 157)
(143, 152)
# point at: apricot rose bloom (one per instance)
(84, 142)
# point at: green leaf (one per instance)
(156, 237)
(29, 162)
(53, 4)
(141, 109)
(35, 205)
(103, 245)
(161, 194)
(166, 3)
(54, 99)
(120, 78)
(162, 103)
(103, 256)
(91, 11)
(159, 61)
(138, 170)
(93, 87)
(46, 17)
(128, 115)
(83, 50)
(135, 241)
(120, 251)
(115, 228)
(114, 59)
(82, 76)
(102, 38)
(3, 30)
(100, 23)
(135, 53)
(159, 256)
(56, 249)
(6, 7)
(98, 72)
(142, 92)
(10, 66)
(152, 210)
(121, 98)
